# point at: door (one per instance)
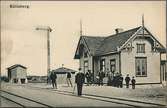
(113, 65)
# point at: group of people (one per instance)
(100, 78)
(133, 81)
(112, 79)
(53, 77)
(89, 77)
(115, 80)
(118, 81)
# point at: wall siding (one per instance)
(107, 61)
(153, 63)
(96, 66)
(14, 73)
(81, 63)
(21, 72)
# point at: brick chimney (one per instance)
(118, 30)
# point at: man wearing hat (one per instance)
(79, 80)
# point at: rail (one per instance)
(25, 98)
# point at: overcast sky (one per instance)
(22, 44)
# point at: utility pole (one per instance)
(143, 24)
(80, 27)
(48, 29)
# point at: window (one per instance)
(102, 65)
(141, 66)
(140, 48)
(85, 66)
(112, 65)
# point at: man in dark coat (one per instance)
(101, 77)
(120, 81)
(117, 77)
(88, 76)
(91, 77)
(127, 79)
(109, 81)
(53, 77)
(69, 78)
(114, 81)
(79, 80)
(133, 81)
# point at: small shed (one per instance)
(62, 74)
(17, 74)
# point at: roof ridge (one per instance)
(16, 65)
(63, 68)
(123, 32)
(94, 36)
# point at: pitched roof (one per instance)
(63, 70)
(93, 42)
(16, 65)
(103, 45)
(110, 44)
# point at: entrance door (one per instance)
(86, 66)
(113, 65)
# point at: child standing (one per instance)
(133, 81)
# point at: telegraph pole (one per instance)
(48, 29)
(80, 27)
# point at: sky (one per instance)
(22, 44)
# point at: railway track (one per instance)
(22, 101)
(127, 102)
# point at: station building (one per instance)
(135, 52)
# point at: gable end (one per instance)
(81, 43)
(147, 35)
